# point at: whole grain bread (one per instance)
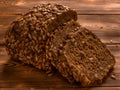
(79, 55)
(26, 37)
(48, 36)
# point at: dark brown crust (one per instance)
(26, 38)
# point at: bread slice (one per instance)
(26, 38)
(79, 56)
(55, 45)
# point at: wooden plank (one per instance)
(95, 88)
(18, 88)
(6, 20)
(21, 75)
(91, 88)
(15, 88)
(82, 6)
(106, 27)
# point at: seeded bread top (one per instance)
(47, 16)
(34, 26)
(38, 23)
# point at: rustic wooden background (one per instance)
(100, 16)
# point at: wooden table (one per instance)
(100, 16)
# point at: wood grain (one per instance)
(82, 6)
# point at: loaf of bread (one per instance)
(26, 38)
(48, 37)
(79, 55)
